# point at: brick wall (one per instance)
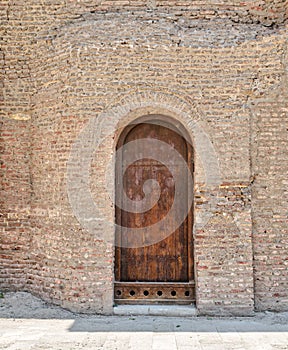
(65, 65)
(270, 199)
(15, 202)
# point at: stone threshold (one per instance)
(156, 310)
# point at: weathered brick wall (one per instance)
(265, 11)
(270, 197)
(64, 66)
(15, 202)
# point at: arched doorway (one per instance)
(154, 262)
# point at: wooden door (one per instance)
(161, 272)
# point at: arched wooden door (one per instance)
(161, 272)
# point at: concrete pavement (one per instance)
(27, 323)
(144, 332)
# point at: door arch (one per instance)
(162, 272)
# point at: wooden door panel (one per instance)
(169, 260)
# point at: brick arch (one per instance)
(129, 107)
(103, 131)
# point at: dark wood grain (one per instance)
(171, 259)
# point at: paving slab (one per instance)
(156, 310)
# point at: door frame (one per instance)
(176, 126)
